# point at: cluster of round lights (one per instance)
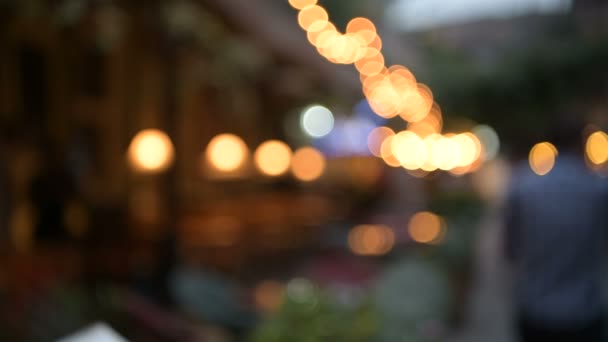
(393, 91)
(543, 156)
(151, 151)
(459, 153)
(228, 153)
(376, 239)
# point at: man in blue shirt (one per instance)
(555, 236)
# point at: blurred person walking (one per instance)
(556, 231)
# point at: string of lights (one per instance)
(391, 91)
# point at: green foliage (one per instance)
(318, 316)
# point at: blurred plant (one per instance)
(311, 314)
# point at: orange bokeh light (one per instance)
(386, 152)
(597, 148)
(426, 227)
(151, 151)
(313, 37)
(364, 28)
(313, 18)
(542, 158)
(300, 4)
(375, 139)
(409, 149)
(371, 239)
(273, 158)
(307, 164)
(226, 152)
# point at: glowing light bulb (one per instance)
(317, 121)
(151, 151)
(542, 158)
(307, 164)
(273, 158)
(597, 148)
(426, 227)
(371, 239)
(226, 152)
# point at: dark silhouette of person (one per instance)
(556, 231)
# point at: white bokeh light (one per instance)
(317, 121)
(489, 140)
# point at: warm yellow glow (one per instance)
(427, 151)
(269, 296)
(469, 149)
(390, 91)
(376, 43)
(362, 27)
(597, 148)
(426, 227)
(422, 128)
(369, 83)
(431, 145)
(369, 66)
(314, 37)
(542, 158)
(371, 239)
(151, 151)
(375, 139)
(419, 103)
(300, 4)
(307, 164)
(409, 149)
(386, 152)
(439, 151)
(313, 18)
(273, 158)
(325, 38)
(435, 118)
(342, 49)
(385, 101)
(226, 152)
